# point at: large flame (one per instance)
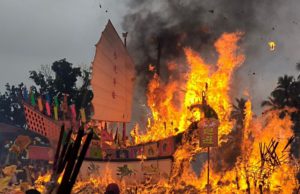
(170, 102)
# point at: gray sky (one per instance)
(267, 65)
(35, 32)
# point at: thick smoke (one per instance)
(188, 23)
(176, 24)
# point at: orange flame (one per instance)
(170, 102)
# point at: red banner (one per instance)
(208, 132)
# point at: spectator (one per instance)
(112, 188)
(32, 191)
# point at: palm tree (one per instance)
(238, 113)
(283, 95)
(283, 89)
(271, 103)
(287, 94)
(230, 150)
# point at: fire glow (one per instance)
(248, 173)
(162, 99)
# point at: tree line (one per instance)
(56, 80)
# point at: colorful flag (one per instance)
(48, 108)
(25, 94)
(32, 99)
(40, 104)
(73, 111)
(82, 114)
(48, 99)
(56, 101)
(55, 112)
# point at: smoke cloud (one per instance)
(176, 24)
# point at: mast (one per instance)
(159, 46)
(124, 124)
(125, 38)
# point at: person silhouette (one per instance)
(112, 188)
(32, 191)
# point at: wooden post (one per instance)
(125, 38)
(159, 46)
(208, 185)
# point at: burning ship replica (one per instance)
(112, 83)
(163, 155)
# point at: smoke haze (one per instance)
(197, 24)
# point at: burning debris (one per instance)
(272, 46)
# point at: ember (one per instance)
(272, 45)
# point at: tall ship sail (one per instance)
(112, 78)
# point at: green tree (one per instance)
(283, 95)
(66, 77)
(62, 79)
(58, 79)
(287, 95)
(43, 78)
(11, 110)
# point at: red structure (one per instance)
(40, 153)
(40, 123)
